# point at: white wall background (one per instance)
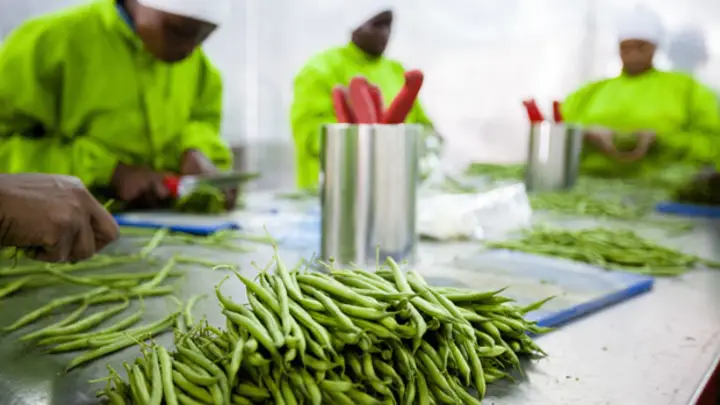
(481, 57)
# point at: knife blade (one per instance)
(180, 186)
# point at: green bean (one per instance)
(69, 319)
(192, 376)
(311, 387)
(52, 305)
(335, 288)
(254, 328)
(158, 279)
(423, 393)
(287, 393)
(289, 284)
(89, 322)
(432, 371)
(13, 286)
(194, 391)
(238, 400)
(252, 391)
(114, 398)
(460, 362)
(153, 328)
(166, 376)
(344, 321)
(271, 324)
(315, 329)
(462, 393)
(236, 360)
(262, 294)
(156, 393)
(186, 400)
(139, 385)
(154, 242)
(283, 296)
(187, 313)
(368, 370)
(197, 358)
(476, 368)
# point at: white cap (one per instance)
(687, 49)
(212, 11)
(643, 24)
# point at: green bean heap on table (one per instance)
(613, 249)
(343, 337)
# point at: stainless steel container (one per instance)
(368, 193)
(553, 159)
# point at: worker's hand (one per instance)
(195, 163)
(645, 139)
(52, 217)
(140, 187)
(601, 138)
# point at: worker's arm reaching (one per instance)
(52, 217)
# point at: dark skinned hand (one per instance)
(140, 187)
(54, 218)
(195, 163)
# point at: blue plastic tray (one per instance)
(195, 225)
(688, 210)
(580, 289)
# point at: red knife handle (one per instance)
(378, 103)
(533, 112)
(343, 113)
(404, 101)
(172, 183)
(557, 112)
(361, 101)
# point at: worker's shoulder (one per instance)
(57, 27)
(324, 61)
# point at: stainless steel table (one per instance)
(654, 349)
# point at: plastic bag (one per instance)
(485, 215)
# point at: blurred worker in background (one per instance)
(52, 218)
(369, 30)
(644, 119)
(117, 93)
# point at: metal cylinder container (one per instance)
(553, 161)
(368, 194)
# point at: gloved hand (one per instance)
(140, 187)
(53, 217)
(195, 163)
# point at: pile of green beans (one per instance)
(203, 200)
(612, 249)
(104, 296)
(342, 337)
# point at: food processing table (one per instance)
(658, 348)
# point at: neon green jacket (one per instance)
(312, 103)
(683, 113)
(78, 94)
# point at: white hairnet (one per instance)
(687, 49)
(643, 24)
(212, 11)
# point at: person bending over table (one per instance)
(117, 93)
(52, 217)
(663, 117)
(369, 24)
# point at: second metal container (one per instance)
(553, 161)
(368, 194)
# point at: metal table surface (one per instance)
(654, 349)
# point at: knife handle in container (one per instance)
(361, 101)
(404, 101)
(172, 183)
(557, 112)
(377, 98)
(343, 113)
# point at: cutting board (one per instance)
(194, 224)
(579, 289)
(688, 210)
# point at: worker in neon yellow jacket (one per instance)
(369, 32)
(644, 119)
(117, 93)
